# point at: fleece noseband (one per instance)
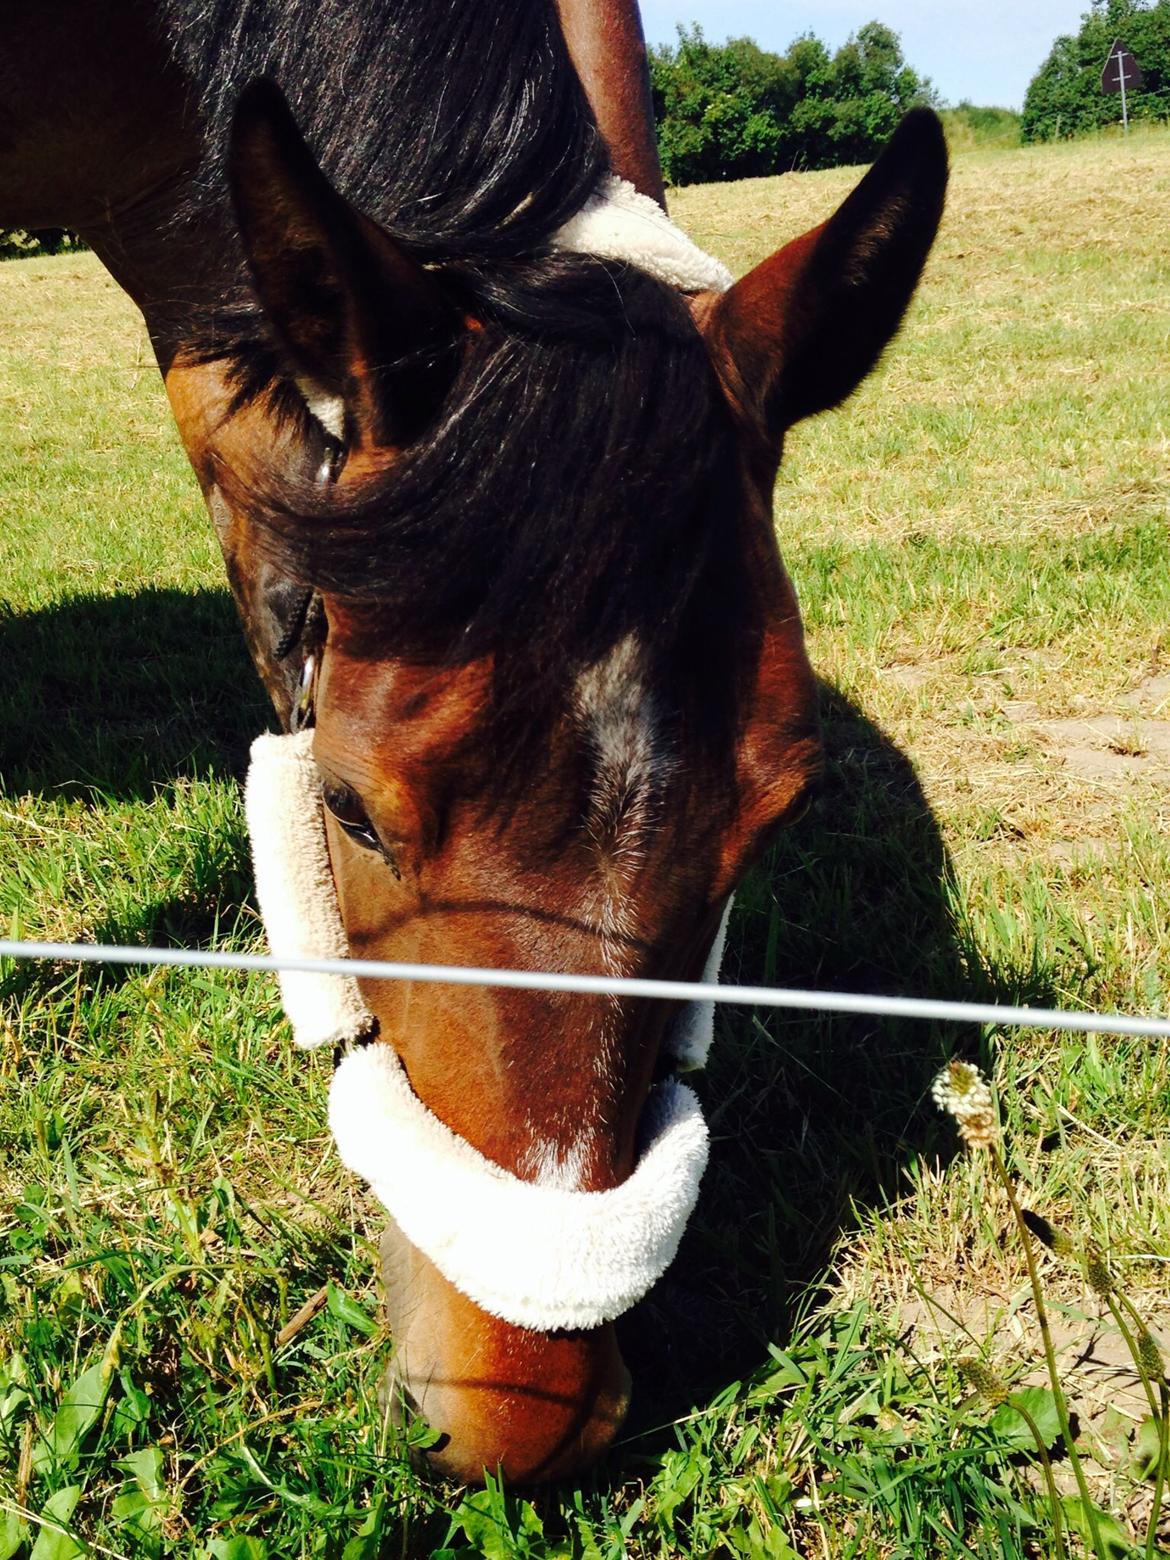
(538, 1256)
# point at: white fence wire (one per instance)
(1002, 1015)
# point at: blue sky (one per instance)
(985, 50)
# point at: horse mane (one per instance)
(459, 125)
(578, 486)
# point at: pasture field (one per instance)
(980, 543)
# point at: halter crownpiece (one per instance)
(618, 223)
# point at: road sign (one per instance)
(1122, 74)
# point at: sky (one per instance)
(985, 50)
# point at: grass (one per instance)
(971, 128)
(980, 544)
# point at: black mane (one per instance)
(578, 485)
(458, 124)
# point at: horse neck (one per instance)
(102, 137)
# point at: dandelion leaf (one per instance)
(13, 1532)
(1151, 1445)
(1115, 1541)
(52, 1544)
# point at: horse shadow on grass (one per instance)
(814, 1118)
(109, 701)
(113, 697)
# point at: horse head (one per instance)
(557, 674)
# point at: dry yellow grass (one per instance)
(1025, 404)
(1026, 396)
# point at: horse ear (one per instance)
(367, 332)
(802, 330)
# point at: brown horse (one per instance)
(511, 504)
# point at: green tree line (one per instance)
(19, 243)
(1065, 96)
(733, 110)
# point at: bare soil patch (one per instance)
(1152, 695)
(1107, 1402)
(1109, 747)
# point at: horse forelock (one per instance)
(577, 484)
(576, 493)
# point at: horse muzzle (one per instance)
(533, 1406)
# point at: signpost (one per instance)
(1121, 72)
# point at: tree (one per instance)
(18, 243)
(1064, 97)
(734, 110)
(718, 107)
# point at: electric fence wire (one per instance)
(1002, 1015)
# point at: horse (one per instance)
(496, 515)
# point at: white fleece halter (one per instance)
(617, 223)
(537, 1256)
(295, 887)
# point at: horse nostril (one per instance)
(539, 1405)
(400, 1406)
(397, 1400)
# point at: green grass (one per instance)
(972, 128)
(980, 544)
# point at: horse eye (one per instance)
(332, 460)
(350, 814)
(802, 808)
(346, 807)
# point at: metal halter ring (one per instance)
(301, 714)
